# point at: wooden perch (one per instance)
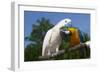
(82, 45)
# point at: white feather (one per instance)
(46, 41)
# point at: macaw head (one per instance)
(67, 31)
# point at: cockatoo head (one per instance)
(67, 22)
(64, 22)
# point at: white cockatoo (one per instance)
(52, 39)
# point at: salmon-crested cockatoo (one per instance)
(52, 39)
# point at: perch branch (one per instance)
(81, 45)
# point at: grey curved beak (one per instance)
(68, 24)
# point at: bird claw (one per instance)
(54, 54)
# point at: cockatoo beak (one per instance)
(69, 22)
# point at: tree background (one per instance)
(33, 50)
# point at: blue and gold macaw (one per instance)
(74, 37)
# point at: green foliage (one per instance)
(33, 51)
(39, 30)
(86, 37)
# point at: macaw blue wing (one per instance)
(81, 34)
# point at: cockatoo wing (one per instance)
(46, 41)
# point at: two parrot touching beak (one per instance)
(63, 33)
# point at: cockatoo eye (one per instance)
(65, 21)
